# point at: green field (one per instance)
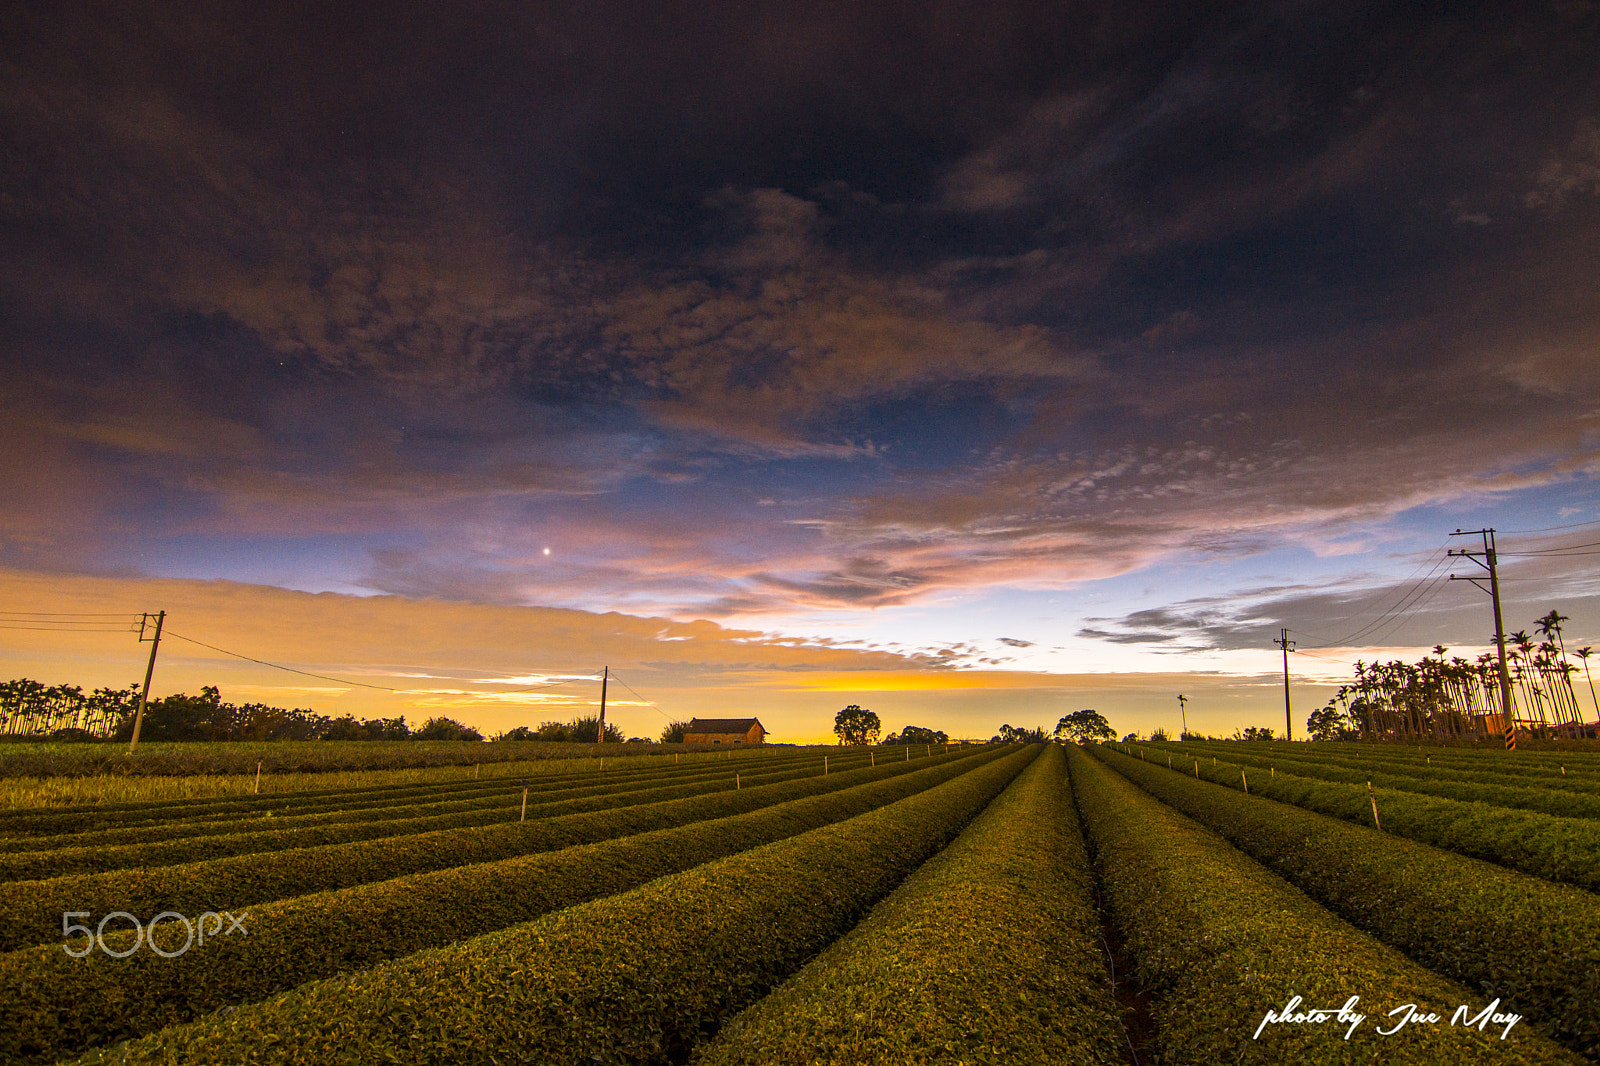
(1032, 904)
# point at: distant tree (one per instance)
(555, 732)
(388, 729)
(522, 732)
(856, 725)
(1010, 734)
(345, 727)
(1130, 738)
(673, 733)
(1085, 725)
(1159, 735)
(586, 730)
(916, 734)
(445, 729)
(1329, 723)
(1253, 733)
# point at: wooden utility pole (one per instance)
(604, 677)
(1183, 705)
(149, 671)
(1489, 563)
(1288, 719)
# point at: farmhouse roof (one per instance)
(722, 725)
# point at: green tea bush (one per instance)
(488, 794)
(1494, 930)
(990, 952)
(16, 866)
(297, 940)
(639, 977)
(1219, 941)
(30, 911)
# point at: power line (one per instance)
(650, 703)
(69, 628)
(1566, 549)
(1552, 529)
(275, 666)
(1407, 603)
(1416, 605)
(1380, 595)
(27, 615)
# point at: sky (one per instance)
(972, 362)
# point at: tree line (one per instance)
(1439, 697)
(33, 710)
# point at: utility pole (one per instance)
(1288, 646)
(1183, 705)
(149, 671)
(1488, 562)
(604, 677)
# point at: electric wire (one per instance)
(649, 703)
(70, 629)
(1552, 529)
(1407, 603)
(275, 666)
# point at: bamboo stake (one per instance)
(524, 817)
(736, 780)
(1246, 781)
(1373, 797)
(258, 777)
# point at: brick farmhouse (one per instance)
(732, 732)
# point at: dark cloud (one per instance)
(769, 311)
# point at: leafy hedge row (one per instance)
(30, 911)
(638, 977)
(990, 952)
(498, 793)
(1574, 795)
(1219, 941)
(1546, 799)
(506, 808)
(297, 940)
(1557, 849)
(156, 812)
(1499, 932)
(1493, 758)
(194, 758)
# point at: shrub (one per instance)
(1219, 941)
(446, 729)
(30, 911)
(990, 952)
(1492, 929)
(638, 977)
(297, 940)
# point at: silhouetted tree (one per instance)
(916, 734)
(856, 725)
(1085, 725)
